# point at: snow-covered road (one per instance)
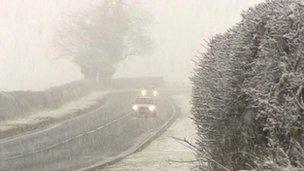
(88, 140)
(164, 152)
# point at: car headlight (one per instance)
(143, 92)
(135, 107)
(155, 93)
(152, 108)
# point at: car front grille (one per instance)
(143, 109)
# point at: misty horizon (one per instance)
(28, 59)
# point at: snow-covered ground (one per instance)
(165, 153)
(65, 111)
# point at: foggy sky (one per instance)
(27, 28)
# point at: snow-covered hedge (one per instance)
(248, 91)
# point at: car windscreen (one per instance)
(144, 100)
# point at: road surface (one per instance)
(165, 153)
(85, 140)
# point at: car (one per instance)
(149, 93)
(145, 106)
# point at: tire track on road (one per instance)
(11, 139)
(67, 140)
(140, 145)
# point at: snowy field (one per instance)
(66, 111)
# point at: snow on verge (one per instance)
(65, 111)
